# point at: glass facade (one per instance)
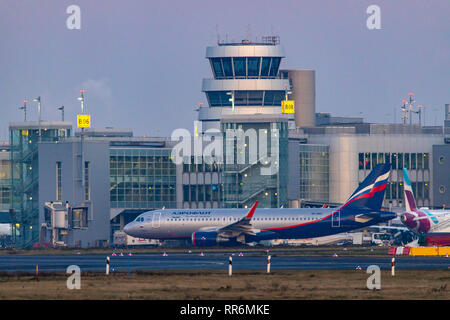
(201, 192)
(410, 161)
(243, 184)
(5, 180)
(245, 67)
(414, 162)
(24, 178)
(314, 172)
(246, 98)
(142, 178)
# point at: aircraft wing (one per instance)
(239, 227)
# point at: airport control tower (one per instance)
(246, 81)
(246, 93)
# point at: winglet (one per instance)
(252, 211)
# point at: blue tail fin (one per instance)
(370, 193)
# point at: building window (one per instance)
(87, 189)
(265, 67)
(186, 192)
(400, 190)
(253, 66)
(201, 189)
(367, 161)
(419, 190)
(193, 193)
(79, 218)
(361, 161)
(394, 161)
(217, 66)
(239, 67)
(406, 161)
(394, 190)
(413, 161)
(58, 181)
(274, 66)
(400, 161)
(426, 164)
(227, 68)
(426, 190)
(419, 160)
(380, 158)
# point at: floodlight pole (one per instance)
(410, 102)
(62, 112)
(81, 98)
(38, 100)
(24, 108)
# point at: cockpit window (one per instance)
(139, 219)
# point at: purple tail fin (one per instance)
(410, 203)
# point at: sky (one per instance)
(141, 62)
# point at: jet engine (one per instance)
(202, 239)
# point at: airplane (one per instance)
(433, 226)
(207, 227)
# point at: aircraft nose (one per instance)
(128, 229)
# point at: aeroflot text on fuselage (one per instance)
(191, 213)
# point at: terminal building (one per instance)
(60, 188)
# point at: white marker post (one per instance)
(107, 265)
(230, 267)
(393, 267)
(268, 264)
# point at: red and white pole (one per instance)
(107, 265)
(230, 266)
(393, 267)
(268, 264)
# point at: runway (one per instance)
(193, 261)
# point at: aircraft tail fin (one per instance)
(410, 202)
(370, 193)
